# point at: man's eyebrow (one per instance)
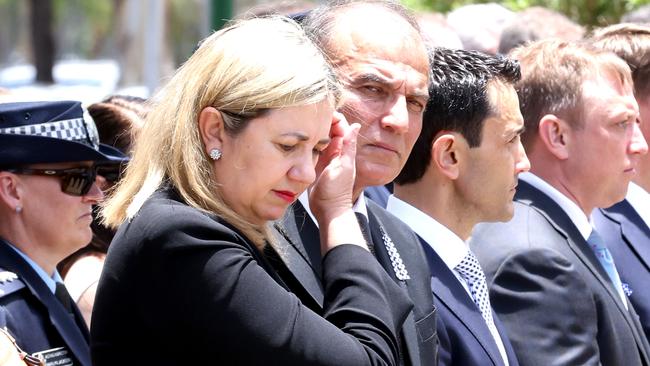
(517, 132)
(419, 95)
(369, 77)
(374, 78)
(521, 130)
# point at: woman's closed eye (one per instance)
(286, 148)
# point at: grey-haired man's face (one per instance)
(383, 65)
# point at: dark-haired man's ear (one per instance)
(554, 135)
(211, 128)
(445, 154)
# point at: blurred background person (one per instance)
(233, 140)
(48, 171)
(640, 15)
(625, 226)
(479, 26)
(437, 32)
(118, 120)
(536, 23)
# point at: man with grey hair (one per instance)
(380, 58)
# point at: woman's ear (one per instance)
(211, 127)
(10, 191)
(554, 134)
(445, 155)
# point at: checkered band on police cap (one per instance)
(81, 129)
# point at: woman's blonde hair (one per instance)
(243, 71)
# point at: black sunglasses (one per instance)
(111, 172)
(74, 181)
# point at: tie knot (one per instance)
(470, 268)
(595, 240)
(599, 248)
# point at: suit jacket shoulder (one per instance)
(628, 238)
(550, 291)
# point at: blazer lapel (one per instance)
(299, 242)
(76, 338)
(379, 233)
(451, 294)
(556, 216)
(510, 352)
(634, 230)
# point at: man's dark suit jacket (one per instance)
(301, 256)
(628, 238)
(182, 287)
(35, 317)
(465, 339)
(551, 293)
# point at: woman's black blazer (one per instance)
(182, 287)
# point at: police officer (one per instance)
(49, 156)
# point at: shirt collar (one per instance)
(49, 281)
(359, 206)
(579, 219)
(638, 199)
(451, 248)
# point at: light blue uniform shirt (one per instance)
(49, 281)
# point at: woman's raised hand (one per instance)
(330, 197)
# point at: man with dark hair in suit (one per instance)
(551, 278)
(379, 56)
(463, 170)
(625, 227)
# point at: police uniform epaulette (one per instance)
(9, 283)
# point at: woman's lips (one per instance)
(286, 195)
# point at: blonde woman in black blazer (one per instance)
(232, 141)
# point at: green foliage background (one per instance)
(586, 12)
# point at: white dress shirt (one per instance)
(575, 213)
(451, 248)
(639, 198)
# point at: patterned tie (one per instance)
(473, 275)
(365, 230)
(604, 256)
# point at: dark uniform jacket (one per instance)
(36, 318)
(302, 267)
(182, 287)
